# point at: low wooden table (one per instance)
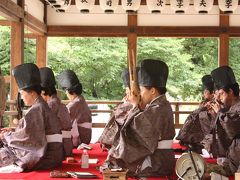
(116, 175)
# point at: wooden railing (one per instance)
(178, 110)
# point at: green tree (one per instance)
(188, 60)
(204, 58)
(5, 49)
(235, 57)
(98, 63)
(5, 45)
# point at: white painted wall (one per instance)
(235, 18)
(35, 8)
(15, 1)
(96, 17)
(167, 18)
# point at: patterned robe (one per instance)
(196, 129)
(138, 147)
(61, 111)
(117, 119)
(54, 152)
(230, 123)
(27, 146)
(80, 112)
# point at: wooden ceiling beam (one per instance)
(234, 31)
(167, 31)
(30, 36)
(16, 12)
(93, 31)
(35, 25)
(5, 23)
(144, 31)
(11, 9)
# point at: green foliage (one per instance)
(5, 49)
(204, 58)
(29, 50)
(188, 60)
(234, 57)
(99, 62)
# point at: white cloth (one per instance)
(66, 134)
(54, 138)
(11, 169)
(75, 133)
(146, 163)
(165, 144)
(87, 125)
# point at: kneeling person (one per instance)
(49, 94)
(36, 143)
(145, 143)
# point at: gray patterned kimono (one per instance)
(80, 112)
(145, 142)
(116, 121)
(27, 146)
(230, 122)
(61, 111)
(54, 152)
(196, 129)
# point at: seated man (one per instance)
(145, 140)
(198, 123)
(49, 94)
(80, 113)
(118, 116)
(36, 142)
(227, 123)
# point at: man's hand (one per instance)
(133, 99)
(7, 129)
(215, 106)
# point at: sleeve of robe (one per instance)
(230, 121)
(80, 112)
(30, 133)
(62, 113)
(143, 131)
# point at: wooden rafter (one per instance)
(35, 25)
(94, 31)
(30, 36)
(16, 12)
(144, 31)
(5, 23)
(12, 10)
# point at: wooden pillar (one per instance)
(223, 50)
(41, 51)
(132, 39)
(17, 49)
(17, 54)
